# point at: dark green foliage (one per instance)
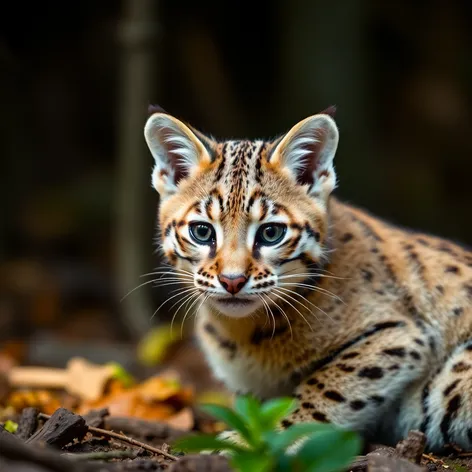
(316, 447)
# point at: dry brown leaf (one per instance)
(46, 401)
(183, 420)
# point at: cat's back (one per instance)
(424, 277)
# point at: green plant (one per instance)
(319, 447)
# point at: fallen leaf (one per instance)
(183, 420)
(10, 426)
(154, 346)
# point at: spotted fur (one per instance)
(369, 326)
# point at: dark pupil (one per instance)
(271, 232)
(203, 232)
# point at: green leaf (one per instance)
(10, 426)
(233, 420)
(281, 441)
(328, 451)
(202, 442)
(274, 410)
(248, 408)
(120, 374)
(252, 461)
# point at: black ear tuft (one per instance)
(331, 111)
(155, 109)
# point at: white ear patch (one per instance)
(176, 150)
(308, 150)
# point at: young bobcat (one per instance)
(369, 326)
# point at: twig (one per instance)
(122, 437)
(464, 454)
(101, 456)
(433, 459)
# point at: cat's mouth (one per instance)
(233, 301)
(235, 307)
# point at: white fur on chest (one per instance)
(243, 375)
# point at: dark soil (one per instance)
(71, 443)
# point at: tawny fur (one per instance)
(378, 339)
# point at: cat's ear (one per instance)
(307, 153)
(176, 150)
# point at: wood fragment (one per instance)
(27, 423)
(122, 437)
(60, 429)
(15, 450)
(16, 456)
(96, 418)
(412, 447)
(142, 428)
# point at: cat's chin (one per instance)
(235, 307)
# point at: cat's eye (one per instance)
(202, 233)
(271, 234)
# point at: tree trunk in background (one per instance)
(324, 63)
(134, 232)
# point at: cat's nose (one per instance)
(232, 283)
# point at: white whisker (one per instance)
(295, 308)
(283, 313)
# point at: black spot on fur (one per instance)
(347, 237)
(458, 311)
(345, 367)
(357, 405)
(286, 423)
(350, 355)
(335, 396)
(451, 411)
(312, 381)
(395, 351)
(452, 269)
(308, 405)
(460, 367)
(371, 373)
(318, 416)
(377, 399)
(420, 342)
(415, 355)
(451, 387)
(367, 275)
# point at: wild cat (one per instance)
(367, 325)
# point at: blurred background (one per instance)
(78, 215)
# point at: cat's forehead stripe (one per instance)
(239, 167)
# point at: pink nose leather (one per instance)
(232, 283)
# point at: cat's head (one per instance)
(245, 219)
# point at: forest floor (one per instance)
(131, 426)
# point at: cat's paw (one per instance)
(229, 436)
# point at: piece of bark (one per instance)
(4, 432)
(15, 450)
(16, 456)
(380, 463)
(59, 430)
(201, 463)
(142, 428)
(96, 418)
(412, 447)
(27, 423)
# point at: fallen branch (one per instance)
(122, 437)
(101, 456)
